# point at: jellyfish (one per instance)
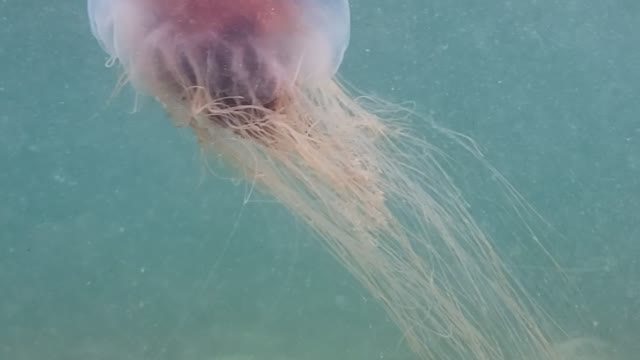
(257, 82)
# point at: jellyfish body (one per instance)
(248, 50)
(255, 81)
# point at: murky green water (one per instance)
(115, 243)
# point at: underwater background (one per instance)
(117, 243)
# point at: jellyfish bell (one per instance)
(255, 81)
(245, 52)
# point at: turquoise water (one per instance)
(115, 243)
